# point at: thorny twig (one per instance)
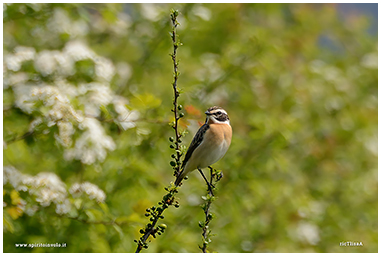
(156, 213)
(215, 176)
(176, 108)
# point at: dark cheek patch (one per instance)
(222, 117)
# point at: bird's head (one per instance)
(217, 115)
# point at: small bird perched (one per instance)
(209, 144)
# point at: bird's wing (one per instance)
(197, 139)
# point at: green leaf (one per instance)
(94, 214)
(119, 230)
(145, 101)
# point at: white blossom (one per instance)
(48, 188)
(121, 25)
(308, 232)
(35, 123)
(104, 68)
(31, 210)
(61, 107)
(14, 79)
(21, 53)
(75, 190)
(93, 191)
(77, 51)
(11, 175)
(63, 207)
(23, 97)
(92, 145)
(370, 60)
(60, 23)
(202, 12)
(56, 97)
(45, 62)
(66, 130)
(126, 117)
(98, 94)
(150, 11)
(124, 71)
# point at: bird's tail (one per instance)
(180, 178)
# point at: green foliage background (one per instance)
(299, 84)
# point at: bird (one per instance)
(209, 144)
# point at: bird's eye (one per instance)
(219, 113)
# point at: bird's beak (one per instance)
(207, 113)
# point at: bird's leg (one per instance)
(207, 182)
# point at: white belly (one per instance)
(205, 155)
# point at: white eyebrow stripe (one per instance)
(216, 110)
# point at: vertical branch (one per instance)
(156, 213)
(215, 176)
(176, 108)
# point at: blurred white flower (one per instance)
(370, 60)
(14, 79)
(212, 69)
(79, 28)
(31, 210)
(56, 97)
(317, 66)
(104, 68)
(61, 23)
(34, 124)
(48, 188)
(66, 130)
(92, 145)
(124, 71)
(202, 12)
(121, 25)
(98, 94)
(126, 117)
(75, 190)
(77, 51)
(308, 232)
(12, 175)
(65, 64)
(21, 53)
(45, 62)
(332, 73)
(93, 191)
(21, 204)
(70, 90)
(63, 207)
(371, 144)
(150, 11)
(59, 103)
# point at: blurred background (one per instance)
(86, 110)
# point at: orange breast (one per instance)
(220, 133)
